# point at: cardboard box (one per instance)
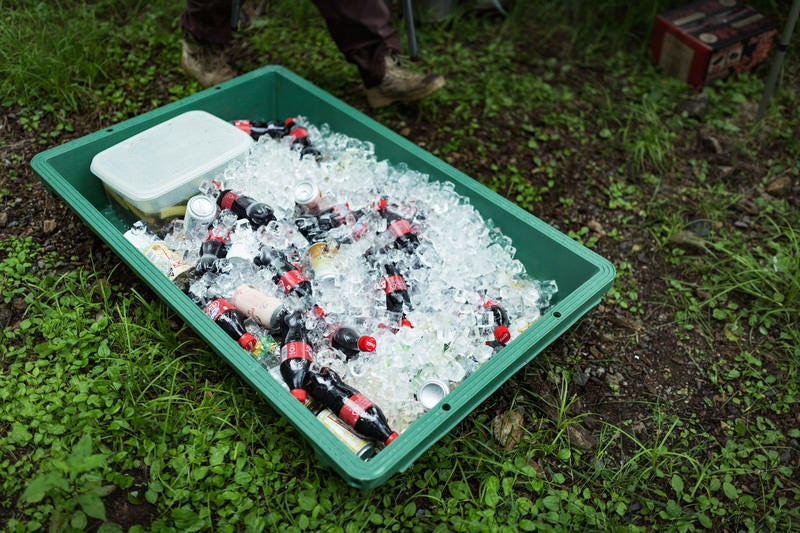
(711, 39)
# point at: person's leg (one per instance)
(206, 34)
(208, 21)
(361, 30)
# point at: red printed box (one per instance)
(711, 39)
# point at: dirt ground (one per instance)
(623, 362)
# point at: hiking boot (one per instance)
(402, 85)
(205, 62)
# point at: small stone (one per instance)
(596, 227)
(49, 226)
(711, 144)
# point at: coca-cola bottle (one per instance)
(284, 274)
(300, 140)
(351, 342)
(309, 227)
(266, 310)
(213, 248)
(352, 407)
(258, 213)
(500, 322)
(394, 285)
(257, 129)
(400, 228)
(297, 355)
(225, 315)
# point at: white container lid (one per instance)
(153, 166)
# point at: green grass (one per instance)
(109, 400)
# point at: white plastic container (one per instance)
(153, 173)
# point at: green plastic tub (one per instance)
(271, 92)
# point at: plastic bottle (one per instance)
(266, 310)
(400, 228)
(309, 227)
(351, 342)
(213, 248)
(225, 315)
(258, 213)
(297, 355)
(300, 140)
(288, 277)
(257, 129)
(394, 285)
(500, 322)
(364, 449)
(352, 407)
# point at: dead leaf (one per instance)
(507, 429)
(780, 186)
(580, 437)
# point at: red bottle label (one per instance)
(226, 202)
(296, 350)
(243, 125)
(216, 307)
(298, 133)
(353, 408)
(394, 283)
(400, 227)
(290, 280)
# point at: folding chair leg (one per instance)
(235, 9)
(408, 15)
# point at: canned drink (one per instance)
(308, 196)
(431, 392)
(359, 446)
(169, 262)
(200, 212)
(323, 257)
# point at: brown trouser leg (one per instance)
(360, 29)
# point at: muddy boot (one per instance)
(205, 62)
(402, 85)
